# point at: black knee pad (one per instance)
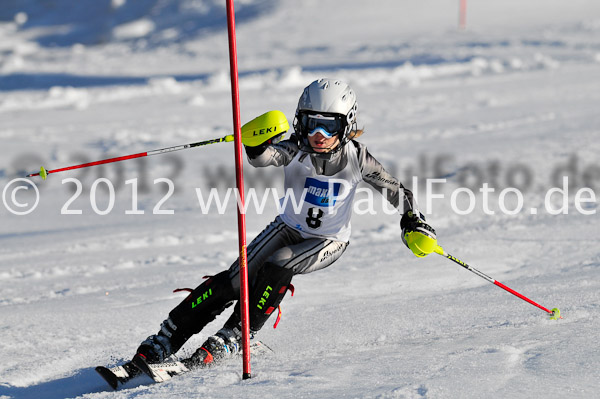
(203, 305)
(267, 292)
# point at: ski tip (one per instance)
(43, 173)
(108, 376)
(555, 315)
(139, 361)
(229, 138)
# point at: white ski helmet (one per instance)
(334, 102)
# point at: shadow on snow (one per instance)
(63, 23)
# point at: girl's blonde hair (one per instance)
(355, 134)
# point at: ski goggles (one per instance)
(328, 126)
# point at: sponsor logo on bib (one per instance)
(321, 193)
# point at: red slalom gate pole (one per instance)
(239, 175)
(462, 15)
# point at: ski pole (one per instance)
(44, 173)
(554, 313)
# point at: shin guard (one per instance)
(267, 292)
(201, 307)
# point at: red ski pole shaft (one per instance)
(86, 165)
(440, 250)
(239, 162)
(43, 172)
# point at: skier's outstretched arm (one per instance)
(268, 154)
(417, 235)
(387, 185)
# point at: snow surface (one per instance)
(511, 101)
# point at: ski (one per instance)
(118, 375)
(160, 372)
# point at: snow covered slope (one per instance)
(512, 102)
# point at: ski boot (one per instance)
(222, 345)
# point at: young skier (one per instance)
(321, 159)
